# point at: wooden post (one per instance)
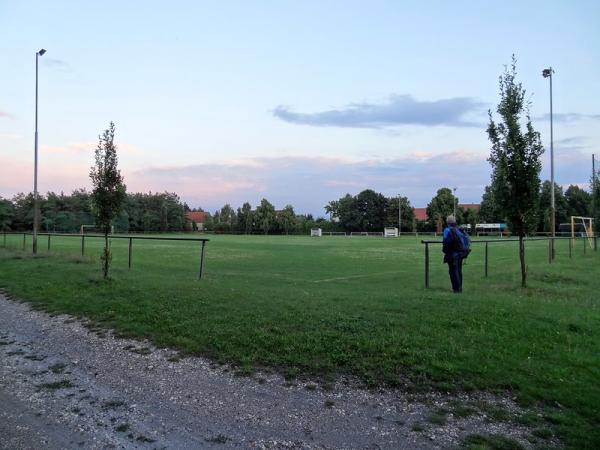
(130, 248)
(570, 247)
(486, 258)
(201, 260)
(426, 265)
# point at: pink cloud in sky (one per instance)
(307, 183)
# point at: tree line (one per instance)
(365, 211)
(264, 219)
(65, 213)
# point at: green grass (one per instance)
(318, 307)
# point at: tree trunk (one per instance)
(522, 258)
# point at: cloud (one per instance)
(396, 111)
(568, 117)
(57, 64)
(307, 183)
(6, 115)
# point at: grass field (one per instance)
(325, 306)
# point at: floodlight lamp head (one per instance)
(41, 52)
(547, 72)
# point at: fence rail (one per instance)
(550, 240)
(112, 236)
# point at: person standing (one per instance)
(453, 249)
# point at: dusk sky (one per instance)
(298, 102)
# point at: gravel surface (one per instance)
(64, 386)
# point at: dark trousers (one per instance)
(455, 271)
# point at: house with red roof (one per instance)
(197, 217)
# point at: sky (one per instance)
(296, 102)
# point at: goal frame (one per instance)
(588, 226)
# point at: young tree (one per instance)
(109, 191)
(515, 159)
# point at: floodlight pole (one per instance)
(454, 200)
(399, 216)
(36, 202)
(547, 73)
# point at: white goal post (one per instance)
(316, 232)
(588, 226)
(390, 232)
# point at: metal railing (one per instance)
(550, 240)
(112, 236)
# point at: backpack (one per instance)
(465, 243)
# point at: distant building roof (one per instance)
(420, 214)
(196, 216)
(475, 206)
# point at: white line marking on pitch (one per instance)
(356, 276)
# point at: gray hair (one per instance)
(451, 220)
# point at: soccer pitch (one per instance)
(340, 305)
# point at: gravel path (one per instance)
(64, 386)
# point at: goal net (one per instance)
(317, 232)
(93, 229)
(588, 227)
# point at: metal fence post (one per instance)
(486, 258)
(201, 260)
(426, 265)
(130, 245)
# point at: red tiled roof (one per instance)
(466, 206)
(420, 214)
(196, 216)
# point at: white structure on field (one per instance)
(390, 232)
(318, 232)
